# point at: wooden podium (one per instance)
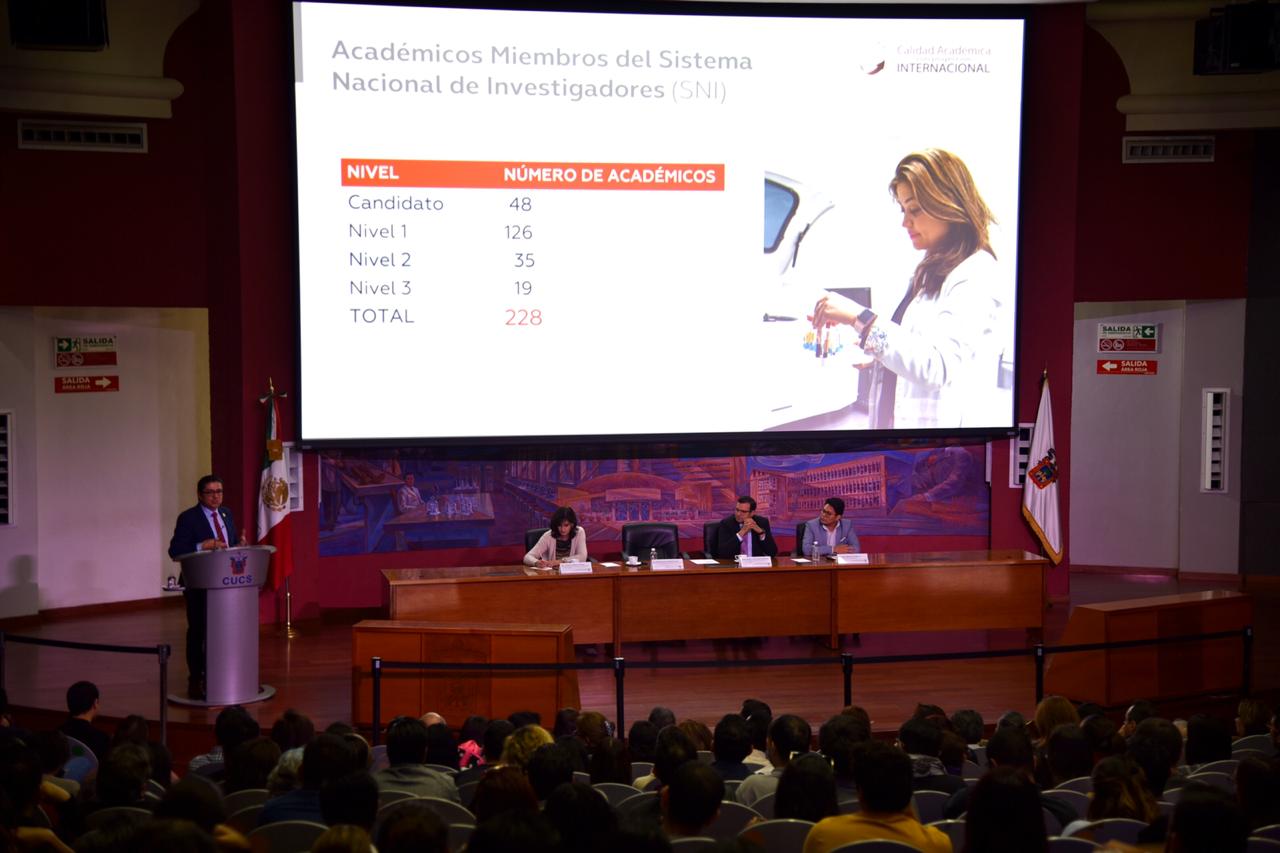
(459, 694)
(1116, 677)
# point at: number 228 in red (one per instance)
(524, 317)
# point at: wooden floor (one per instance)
(312, 671)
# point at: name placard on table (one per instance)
(575, 568)
(852, 560)
(755, 562)
(672, 565)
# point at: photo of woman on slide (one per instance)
(935, 361)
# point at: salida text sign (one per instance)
(1128, 337)
(85, 384)
(86, 351)
(1127, 366)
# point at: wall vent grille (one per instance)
(120, 137)
(1216, 405)
(1019, 455)
(1168, 149)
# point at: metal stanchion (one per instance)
(846, 664)
(377, 697)
(162, 652)
(619, 672)
(1039, 649)
(289, 631)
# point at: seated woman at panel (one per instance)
(564, 541)
(936, 359)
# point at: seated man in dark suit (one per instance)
(207, 526)
(744, 532)
(82, 706)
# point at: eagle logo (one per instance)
(275, 493)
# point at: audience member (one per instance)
(691, 801)
(431, 718)
(82, 707)
(412, 827)
(194, 799)
(1252, 718)
(292, 730)
(1206, 820)
(1011, 720)
(1208, 740)
(1258, 791)
(953, 752)
(759, 717)
(582, 817)
(1066, 755)
(593, 728)
(342, 838)
(641, 740)
(883, 777)
(662, 717)
(698, 733)
(549, 767)
(1010, 747)
(511, 831)
(921, 739)
(1005, 815)
(576, 751)
(611, 762)
(232, 727)
(519, 719)
(968, 724)
(672, 750)
(54, 752)
(286, 775)
(837, 739)
(442, 749)
(495, 737)
(122, 777)
(351, 799)
(358, 747)
(522, 744)
(806, 790)
(789, 736)
(1103, 736)
(471, 741)
(407, 771)
(500, 790)
(249, 765)
(324, 759)
(730, 744)
(132, 729)
(566, 723)
(1053, 711)
(1119, 790)
(1136, 713)
(1156, 745)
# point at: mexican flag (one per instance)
(273, 498)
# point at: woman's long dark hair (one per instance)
(564, 513)
(1005, 815)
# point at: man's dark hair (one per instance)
(1208, 820)
(1011, 720)
(673, 749)
(324, 759)
(193, 799)
(836, 504)
(566, 718)
(611, 762)
(968, 724)
(122, 778)
(520, 719)
(1150, 752)
(732, 739)
(694, 796)
(350, 799)
(642, 739)
(1166, 733)
(53, 748)
(790, 734)
(837, 739)
(1005, 814)
(920, 736)
(233, 727)
(583, 818)
(662, 717)
(442, 749)
(495, 735)
(758, 725)
(1088, 709)
(80, 697)
(407, 741)
(503, 789)
(747, 499)
(752, 707)
(250, 763)
(1208, 739)
(412, 827)
(207, 480)
(1069, 752)
(292, 729)
(806, 790)
(564, 513)
(882, 775)
(1011, 747)
(528, 832)
(168, 834)
(549, 767)
(1139, 711)
(1103, 734)
(1258, 790)
(576, 750)
(924, 710)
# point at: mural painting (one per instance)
(401, 502)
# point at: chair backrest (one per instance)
(582, 776)
(154, 787)
(639, 537)
(1071, 844)
(116, 814)
(954, 829)
(878, 845)
(971, 770)
(795, 550)
(447, 810)
(1079, 802)
(1263, 743)
(733, 818)
(980, 754)
(1223, 781)
(637, 802)
(731, 788)
(786, 835)
(82, 761)
(386, 796)
(1052, 826)
(1271, 831)
(1083, 784)
(692, 844)
(709, 539)
(460, 834)
(615, 792)
(467, 791)
(1261, 845)
(1227, 765)
(765, 805)
(440, 768)
(640, 768)
(378, 758)
(237, 800)
(847, 805)
(706, 756)
(286, 836)
(532, 535)
(1116, 828)
(929, 804)
(244, 819)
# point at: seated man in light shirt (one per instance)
(833, 533)
(408, 497)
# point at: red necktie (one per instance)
(217, 528)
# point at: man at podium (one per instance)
(207, 526)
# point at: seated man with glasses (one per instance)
(830, 531)
(206, 526)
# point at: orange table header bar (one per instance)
(477, 174)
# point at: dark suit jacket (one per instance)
(193, 528)
(727, 544)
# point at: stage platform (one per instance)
(312, 672)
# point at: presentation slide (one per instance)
(517, 224)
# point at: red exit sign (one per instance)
(85, 384)
(1127, 366)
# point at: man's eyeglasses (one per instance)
(212, 492)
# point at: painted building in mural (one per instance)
(405, 502)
